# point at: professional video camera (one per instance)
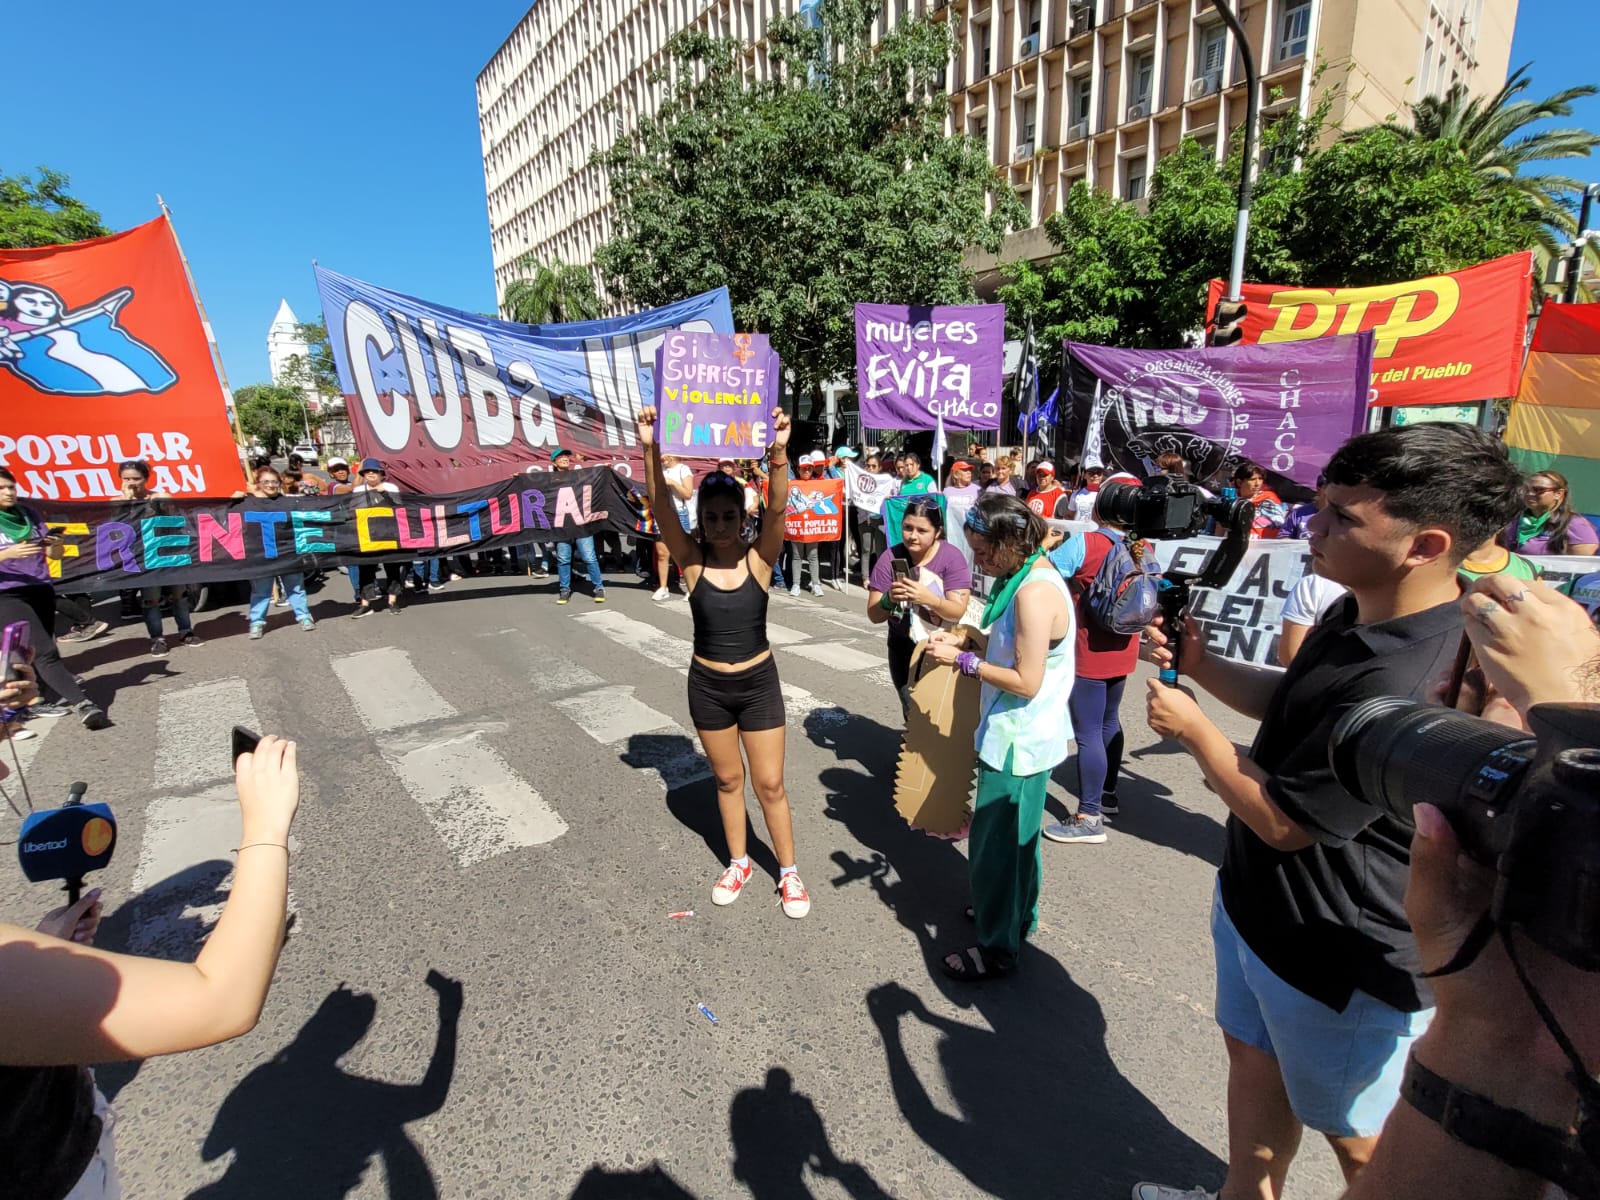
(1527, 805)
(1164, 507)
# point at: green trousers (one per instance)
(1003, 854)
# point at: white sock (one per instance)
(742, 863)
(782, 871)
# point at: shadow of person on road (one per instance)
(1150, 813)
(692, 793)
(300, 1126)
(1035, 1065)
(647, 1183)
(778, 1136)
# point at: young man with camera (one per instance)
(1318, 994)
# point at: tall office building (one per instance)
(1059, 90)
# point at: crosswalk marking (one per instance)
(654, 741)
(782, 635)
(388, 691)
(192, 723)
(836, 657)
(476, 803)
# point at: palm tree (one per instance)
(1491, 132)
(550, 294)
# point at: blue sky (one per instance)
(347, 133)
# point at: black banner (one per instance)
(108, 547)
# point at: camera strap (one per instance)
(1467, 953)
(1513, 1137)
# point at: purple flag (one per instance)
(1287, 406)
(716, 392)
(915, 364)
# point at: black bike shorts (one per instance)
(750, 699)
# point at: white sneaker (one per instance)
(661, 594)
(796, 902)
(1156, 1191)
(816, 589)
(794, 589)
(730, 883)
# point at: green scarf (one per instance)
(1005, 589)
(14, 524)
(1531, 527)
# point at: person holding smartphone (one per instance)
(64, 1003)
(924, 575)
(27, 595)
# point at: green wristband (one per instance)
(885, 603)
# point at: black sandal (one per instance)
(972, 965)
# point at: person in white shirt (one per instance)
(680, 486)
(1306, 605)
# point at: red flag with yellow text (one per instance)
(103, 358)
(1446, 339)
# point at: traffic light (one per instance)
(1227, 326)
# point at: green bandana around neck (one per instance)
(1529, 527)
(14, 523)
(1005, 589)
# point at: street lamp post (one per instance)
(1575, 268)
(1241, 229)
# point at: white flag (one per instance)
(868, 491)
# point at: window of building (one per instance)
(1030, 18)
(1026, 108)
(1144, 78)
(1133, 188)
(985, 51)
(1211, 53)
(978, 127)
(1294, 29)
(1082, 89)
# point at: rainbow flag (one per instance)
(1555, 420)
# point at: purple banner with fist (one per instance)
(915, 364)
(1285, 407)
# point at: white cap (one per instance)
(816, 458)
(1046, 465)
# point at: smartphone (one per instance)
(901, 568)
(14, 641)
(244, 741)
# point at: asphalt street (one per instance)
(504, 791)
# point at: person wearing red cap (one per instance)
(1048, 498)
(959, 486)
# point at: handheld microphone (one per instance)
(68, 842)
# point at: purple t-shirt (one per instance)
(1580, 532)
(21, 572)
(944, 573)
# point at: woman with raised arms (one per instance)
(734, 694)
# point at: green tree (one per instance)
(829, 183)
(550, 293)
(317, 373)
(1492, 134)
(273, 415)
(42, 213)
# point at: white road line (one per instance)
(388, 691)
(559, 675)
(782, 635)
(476, 803)
(192, 724)
(611, 714)
(27, 749)
(654, 741)
(837, 657)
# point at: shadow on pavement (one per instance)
(778, 1136)
(693, 802)
(1035, 1060)
(648, 1183)
(300, 1126)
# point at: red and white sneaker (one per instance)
(796, 901)
(730, 883)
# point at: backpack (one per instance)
(1122, 597)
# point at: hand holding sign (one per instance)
(712, 394)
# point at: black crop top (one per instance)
(730, 624)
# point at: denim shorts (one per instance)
(1341, 1069)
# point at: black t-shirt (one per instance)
(48, 1130)
(1330, 919)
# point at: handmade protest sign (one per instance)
(108, 547)
(715, 393)
(1287, 408)
(815, 512)
(915, 364)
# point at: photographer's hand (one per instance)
(74, 922)
(1535, 645)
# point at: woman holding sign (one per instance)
(734, 694)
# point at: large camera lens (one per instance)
(1118, 504)
(1394, 753)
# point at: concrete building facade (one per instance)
(1059, 90)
